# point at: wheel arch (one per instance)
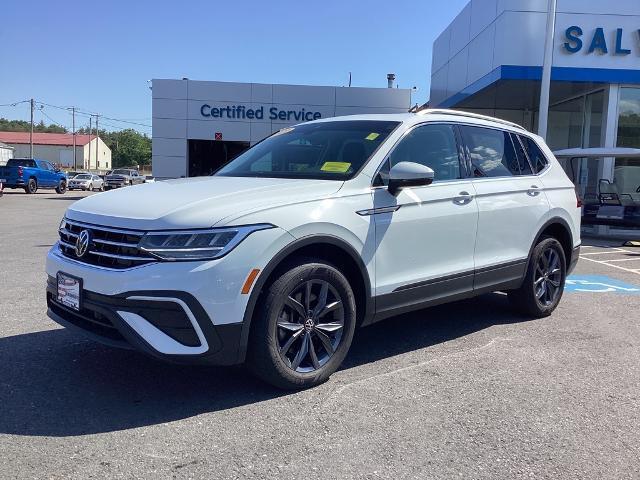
(559, 229)
(326, 247)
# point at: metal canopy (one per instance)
(598, 152)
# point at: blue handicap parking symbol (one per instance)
(599, 284)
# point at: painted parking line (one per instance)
(599, 284)
(609, 251)
(636, 259)
(612, 265)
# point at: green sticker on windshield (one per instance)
(372, 136)
(335, 167)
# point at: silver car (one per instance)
(86, 181)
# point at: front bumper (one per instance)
(201, 296)
(169, 325)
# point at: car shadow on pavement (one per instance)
(56, 383)
(68, 197)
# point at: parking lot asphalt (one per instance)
(467, 390)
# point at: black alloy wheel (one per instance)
(543, 283)
(310, 326)
(548, 277)
(303, 325)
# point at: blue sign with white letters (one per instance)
(599, 284)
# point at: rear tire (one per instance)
(32, 186)
(543, 283)
(304, 328)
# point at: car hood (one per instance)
(195, 202)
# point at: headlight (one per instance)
(196, 244)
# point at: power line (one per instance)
(52, 120)
(14, 103)
(85, 114)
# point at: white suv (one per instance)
(318, 229)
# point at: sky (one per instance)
(99, 56)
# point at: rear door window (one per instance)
(492, 152)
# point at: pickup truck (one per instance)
(32, 174)
(121, 177)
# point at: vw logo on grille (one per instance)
(82, 243)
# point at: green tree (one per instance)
(128, 147)
(24, 126)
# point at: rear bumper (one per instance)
(575, 256)
(153, 322)
(14, 183)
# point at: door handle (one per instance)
(463, 198)
(533, 190)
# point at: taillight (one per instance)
(20, 171)
(578, 201)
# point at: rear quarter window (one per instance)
(536, 157)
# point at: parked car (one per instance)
(32, 174)
(149, 179)
(86, 181)
(320, 228)
(122, 177)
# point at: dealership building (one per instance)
(199, 125)
(489, 60)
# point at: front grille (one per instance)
(110, 247)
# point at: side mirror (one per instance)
(409, 174)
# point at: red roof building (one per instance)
(45, 138)
(91, 152)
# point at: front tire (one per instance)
(544, 281)
(61, 188)
(305, 327)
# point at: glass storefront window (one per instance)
(629, 118)
(577, 122)
(626, 173)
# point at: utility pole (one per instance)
(545, 85)
(31, 133)
(73, 127)
(90, 129)
(97, 142)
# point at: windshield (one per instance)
(21, 162)
(325, 150)
(121, 172)
(82, 177)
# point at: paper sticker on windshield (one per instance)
(372, 136)
(282, 131)
(335, 167)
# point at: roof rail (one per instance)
(459, 113)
